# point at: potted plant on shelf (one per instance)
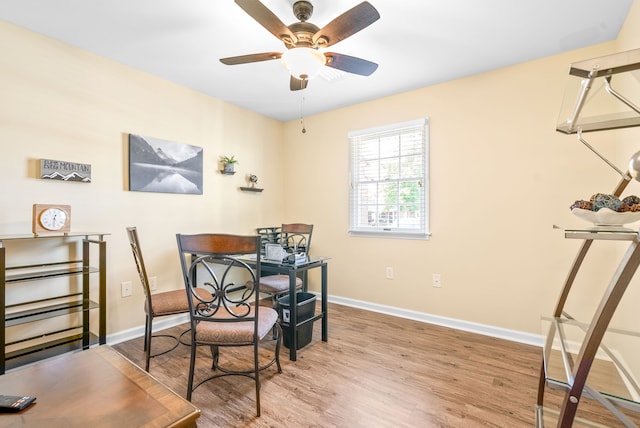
(228, 164)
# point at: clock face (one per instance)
(53, 218)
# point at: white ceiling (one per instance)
(416, 43)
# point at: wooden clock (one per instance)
(48, 218)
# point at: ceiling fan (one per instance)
(304, 39)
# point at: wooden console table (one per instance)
(94, 388)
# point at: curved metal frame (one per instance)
(579, 370)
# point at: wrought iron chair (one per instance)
(294, 238)
(158, 304)
(226, 319)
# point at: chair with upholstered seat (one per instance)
(156, 305)
(294, 238)
(228, 318)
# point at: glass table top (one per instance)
(306, 261)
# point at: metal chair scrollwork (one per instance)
(227, 318)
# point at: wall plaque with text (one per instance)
(65, 171)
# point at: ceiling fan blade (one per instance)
(296, 84)
(267, 19)
(350, 64)
(347, 24)
(244, 59)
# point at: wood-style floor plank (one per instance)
(375, 371)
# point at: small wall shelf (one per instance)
(223, 172)
(251, 189)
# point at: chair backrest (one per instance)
(132, 233)
(213, 261)
(269, 235)
(296, 237)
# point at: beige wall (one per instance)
(500, 178)
(61, 103)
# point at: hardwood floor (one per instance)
(375, 371)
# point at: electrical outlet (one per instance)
(153, 283)
(389, 273)
(126, 288)
(437, 280)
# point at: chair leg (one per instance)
(192, 363)
(256, 374)
(277, 331)
(278, 343)
(146, 332)
(274, 304)
(147, 340)
(215, 355)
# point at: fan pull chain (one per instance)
(304, 130)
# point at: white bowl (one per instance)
(606, 216)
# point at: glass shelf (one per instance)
(99, 235)
(615, 372)
(548, 417)
(604, 233)
(591, 100)
(596, 360)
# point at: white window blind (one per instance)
(389, 181)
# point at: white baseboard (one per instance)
(486, 330)
(160, 324)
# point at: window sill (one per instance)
(390, 235)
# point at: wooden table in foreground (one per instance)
(94, 388)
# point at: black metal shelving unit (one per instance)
(41, 308)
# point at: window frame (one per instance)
(369, 135)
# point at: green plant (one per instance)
(229, 160)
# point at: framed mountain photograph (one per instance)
(162, 166)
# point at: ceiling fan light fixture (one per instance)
(303, 63)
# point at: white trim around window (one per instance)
(389, 181)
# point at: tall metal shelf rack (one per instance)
(41, 306)
(574, 350)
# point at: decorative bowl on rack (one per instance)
(606, 216)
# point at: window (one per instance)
(389, 181)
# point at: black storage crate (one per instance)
(306, 303)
